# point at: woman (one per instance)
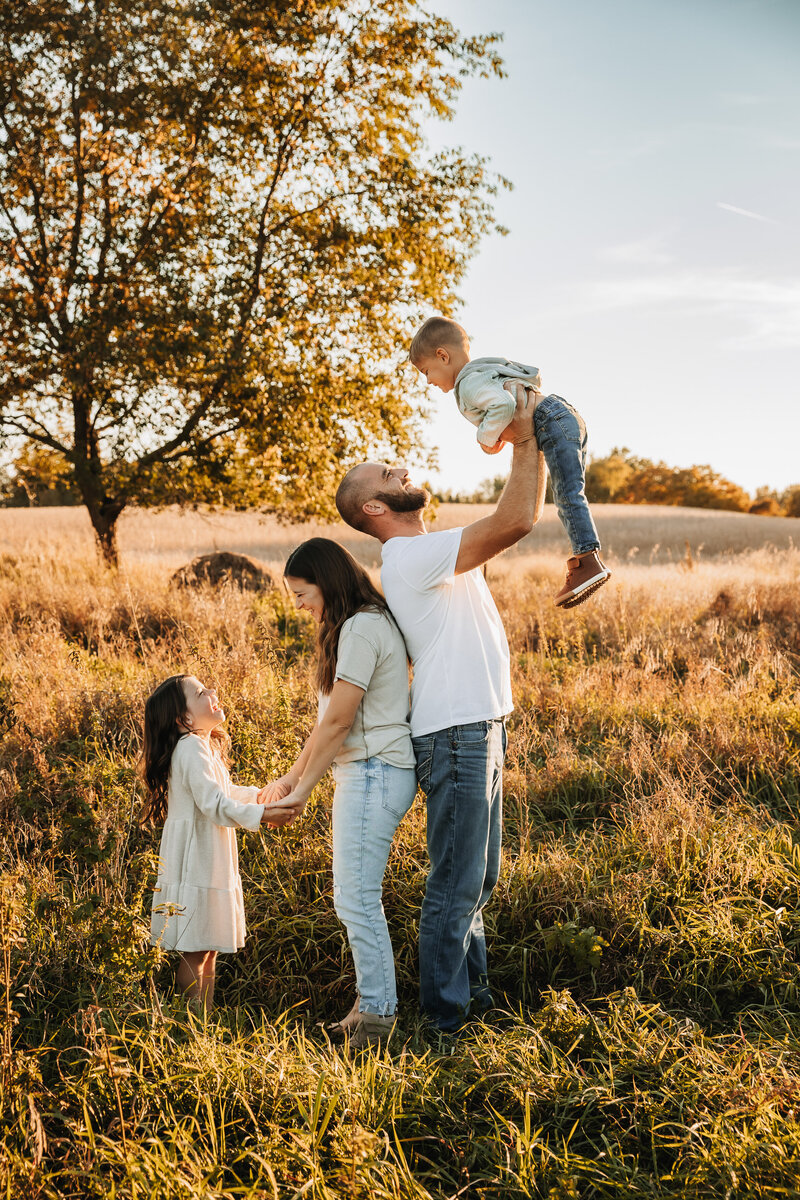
(362, 729)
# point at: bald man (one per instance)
(460, 697)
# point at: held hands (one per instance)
(281, 804)
(499, 445)
(275, 816)
(293, 803)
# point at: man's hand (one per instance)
(520, 427)
(517, 507)
(495, 449)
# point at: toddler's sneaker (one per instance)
(585, 574)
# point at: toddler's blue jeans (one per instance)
(561, 434)
(370, 801)
(461, 772)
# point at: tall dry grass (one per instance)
(638, 533)
(644, 938)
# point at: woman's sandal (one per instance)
(337, 1031)
(371, 1030)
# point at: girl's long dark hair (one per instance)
(346, 589)
(164, 717)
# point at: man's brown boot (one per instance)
(585, 574)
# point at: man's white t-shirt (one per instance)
(452, 630)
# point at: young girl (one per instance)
(198, 907)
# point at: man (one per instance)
(460, 696)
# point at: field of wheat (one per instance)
(644, 938)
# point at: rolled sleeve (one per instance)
(357, 659)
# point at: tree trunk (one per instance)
(104, 517)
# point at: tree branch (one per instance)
(28, 265)
(34, 190)
(45, 438)
(204, 443)
(77, 223)
(148, 231)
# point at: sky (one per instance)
(652, 265)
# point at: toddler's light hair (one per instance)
(436, 332)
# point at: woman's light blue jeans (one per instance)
(561, 434)
(370, 801)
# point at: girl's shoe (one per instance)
(585, 574)
(337, 1031)
(371, 1030)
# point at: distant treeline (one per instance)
(39, 478)
(623, 478)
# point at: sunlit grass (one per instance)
(644, 937)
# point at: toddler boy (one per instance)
(440, 351)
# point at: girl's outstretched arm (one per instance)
(196, 766)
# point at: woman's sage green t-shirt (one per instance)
(372, 655)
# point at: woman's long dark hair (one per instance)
(346, 589)
(164, 726)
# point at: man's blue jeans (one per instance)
(561, 434)
(460, 770)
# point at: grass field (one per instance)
(630, 533)
(644, 938)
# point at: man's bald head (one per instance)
(372, 492)
(353, 492)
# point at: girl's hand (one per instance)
(495, 449)
(275, 816)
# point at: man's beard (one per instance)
(411, 499)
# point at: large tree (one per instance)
(219, 221)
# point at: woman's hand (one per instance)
(283, 811)
(276, 789)
(294, 804)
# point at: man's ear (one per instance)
(373, 508)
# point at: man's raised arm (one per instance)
(520, 504)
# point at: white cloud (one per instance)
(644, 253)
(756, 312)
(745, 212)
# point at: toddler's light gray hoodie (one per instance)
(483, 400)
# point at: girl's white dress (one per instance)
(198, 902)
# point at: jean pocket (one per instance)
(399, 788)
(474, 734)
(423, 753)
(571, 425)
